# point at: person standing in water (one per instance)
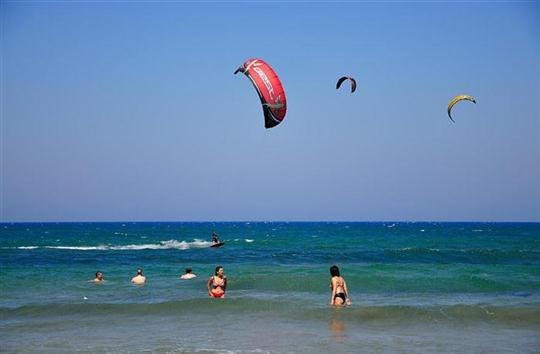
(189, 274)
(139, 278)
(340, 294)
(217, 283)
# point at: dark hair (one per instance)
(188, 270)
(334, 271)
(98, 272)
(217, 269)
(139, 271)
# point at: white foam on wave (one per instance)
(162, 245)
(79, 248)
(418, 249)
(248, 240)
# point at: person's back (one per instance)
(139, 278)
(340, 293)
(338, 282)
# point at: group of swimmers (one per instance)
(139, 277)
(217, 284)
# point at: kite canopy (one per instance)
(456, 100)
(342, 79)
(269, 88)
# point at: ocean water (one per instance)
(415, 287)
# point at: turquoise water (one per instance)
(454, 287)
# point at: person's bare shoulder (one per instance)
(138, 280)
(188, 276)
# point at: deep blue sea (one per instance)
(414, 287)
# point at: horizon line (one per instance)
(266, 221)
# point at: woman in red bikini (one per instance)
(217, 283)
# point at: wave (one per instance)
(480, 251)
(245, 305)
(162, 245)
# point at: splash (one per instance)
(162, 245)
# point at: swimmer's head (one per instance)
(219, 269)
(334, 271)
(188, 270)
(99, 275)
(139, 271)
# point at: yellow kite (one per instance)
(456, 100)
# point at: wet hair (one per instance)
(99, 272)
(334, 271)
(139, 271)
(189, 270)
(217, 269)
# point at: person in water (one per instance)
(340, 294)
(189, 274)
(217, 283)
(215, 239)
(99, 277)
(139, 278)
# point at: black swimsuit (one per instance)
(343, 296)
(340, 295)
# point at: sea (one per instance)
(421, 287)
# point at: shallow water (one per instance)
(423, 287)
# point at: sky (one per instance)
(129, 111)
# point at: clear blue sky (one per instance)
(119, 111)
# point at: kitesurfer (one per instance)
(215, 239)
